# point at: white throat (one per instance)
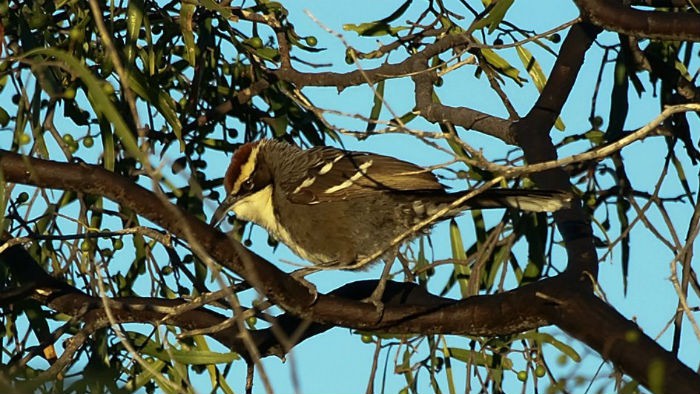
(258, 208)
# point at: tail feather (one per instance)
(523, 199)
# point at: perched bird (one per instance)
(339, 209)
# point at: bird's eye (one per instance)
(248, 184)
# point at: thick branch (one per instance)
(267, 279)
(532, 134)
(525, 308)
(595, 323)
(660, 25)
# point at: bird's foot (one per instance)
(376, 299)
(300, 276)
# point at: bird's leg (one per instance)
(300, 274)
(408, 275)
(376, 296)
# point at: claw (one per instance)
(300, 274)
(376, 297)
(376, 300)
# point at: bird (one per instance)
(341, 209)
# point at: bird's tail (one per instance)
(523, 199)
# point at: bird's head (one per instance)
(248, 183)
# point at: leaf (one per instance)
(480, 358)
(214, 375)
(596, 137)
(619, 106)
(495, 16)
(534, 227)
(541, 337)
(4, 117)
(380, 27)
(533, 68)
(101, 102)
(682, 178)
(188, 356)
(500, 256)
(146, 376)
(187, 9)
(376, 107)
(268, 53)
(159, 99)
(623, 206)
(403, 119)
(461, 269)
(502, 66)
(134, 21)
(108, 154)
(217, 8)
(202, 357)
(422, 264)
(374, 29)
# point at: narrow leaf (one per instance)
(461, 269)
(376, 108)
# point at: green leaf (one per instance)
(134, 21)
(146, 376)
(499, 258)
(211, 5)
(623, 206)
(630, 388)
(4, 117)
(159, 99)
(495, 16)
(502, 66)
(422, 263)
(380, 27)
(682, 178)
(187, 9)
(189, 356)
(534, 227)
(374, 29)
(214, 375)
(403, 119)
(480, 358)
(596, 137)
(268, 53)
(108, 155)
(461, 269)
(657, 375)
(376, 107)
(541, 337)
(619, 106)
(538, 78)
(101, 102)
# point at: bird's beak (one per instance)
(222, 210)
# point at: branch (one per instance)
(532, 134)
(550, 301)
(660, 25)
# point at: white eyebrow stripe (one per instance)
(306, 183)
(247, 169)
(359, 174)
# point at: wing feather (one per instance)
(336, 174)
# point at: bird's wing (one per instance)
(336, 174)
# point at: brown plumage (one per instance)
(336, 208)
